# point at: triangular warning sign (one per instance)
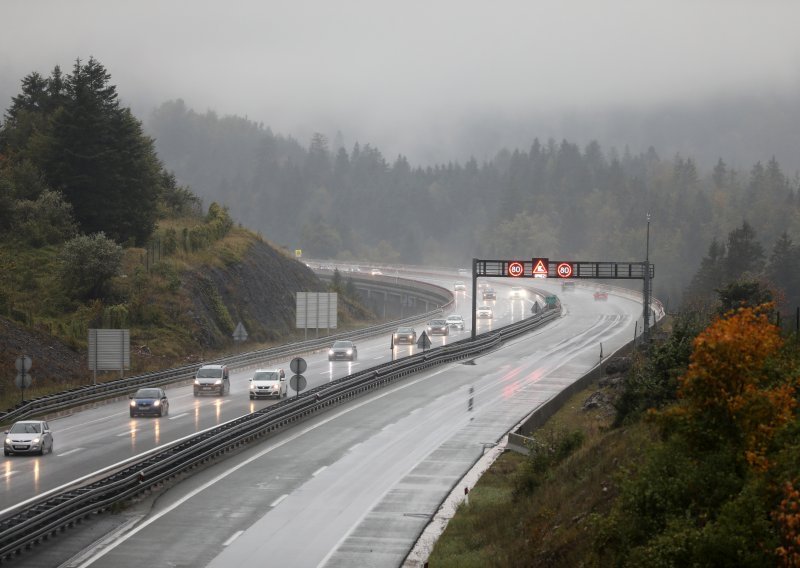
(539, 267)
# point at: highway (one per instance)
(356, 485)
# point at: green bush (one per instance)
(545, 451)
(87, 264)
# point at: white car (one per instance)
(456, 321)
(459, 286)
(375, 272)
(484, 312)
(517, 293)
(268, 383)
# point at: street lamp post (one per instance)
(646, 295)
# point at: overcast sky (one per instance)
(408, 73)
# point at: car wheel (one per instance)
(6, 452)
(160, 412)
(132, 414)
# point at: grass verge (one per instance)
(553, 524)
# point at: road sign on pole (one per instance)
(424, 342)
(298, 365)
(23, 364)
(298, 383)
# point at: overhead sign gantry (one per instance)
(545, 268)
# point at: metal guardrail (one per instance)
(120, 387)
(26, 525)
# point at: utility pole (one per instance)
(646, 294)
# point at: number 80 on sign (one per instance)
(515, 269)
(564, 269)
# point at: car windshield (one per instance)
(343, 344)
(405, 330)
(265, 376)
(26, 428)
(147, 393)
(454, 318)
(438, 322)
(204, 373)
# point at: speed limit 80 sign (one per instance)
(515, 269)
(564, 269)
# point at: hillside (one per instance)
(183, 309)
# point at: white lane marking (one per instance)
(8, 474)
(377, 358)
(416, 410)
(320, 470)
(248, 461)
(178, 416)
(233, 537)
(68, 452)
(354, 447)
(128, 433)
(277, 501)
(387, 427)
(327, 373)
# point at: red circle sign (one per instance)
(564, 269)
(515, 269)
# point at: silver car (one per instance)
(28, 437)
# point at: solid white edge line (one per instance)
(233, 537)
(320, 470)
(178, 416)
(277, 501)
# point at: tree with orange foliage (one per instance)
(732, 391)
(788, 519)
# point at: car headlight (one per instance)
(330, 351)
(8, 441)
(252, 387)
(156, 403)
(35, 441)
(133, 403)
(197, 381)
(218, 382)
(349, 351)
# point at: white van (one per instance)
(212, 379)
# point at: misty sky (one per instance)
(408, 75)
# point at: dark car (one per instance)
(28, 437)
(438, 327)
(212, 379)
(489, 294)
(405, 335)
(151, 401)
(343, 350)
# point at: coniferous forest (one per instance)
(552, 199)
